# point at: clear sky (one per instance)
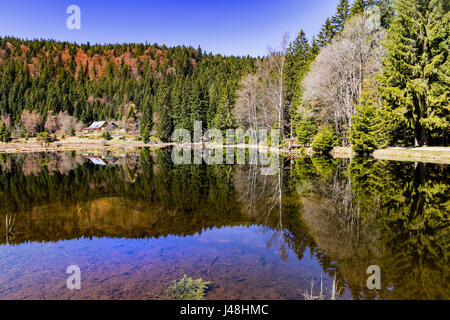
(229, 27)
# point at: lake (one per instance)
(135, 222)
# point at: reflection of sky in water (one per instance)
(238, 262)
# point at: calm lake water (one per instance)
(136, 222)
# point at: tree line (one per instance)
(146, 89)
(377, 75)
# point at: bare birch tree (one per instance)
(31, 121)
(260, 101)
(334, 84)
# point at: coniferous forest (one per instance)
(376, 75)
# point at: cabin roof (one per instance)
(97, 124)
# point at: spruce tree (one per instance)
(164, 126)
(146, 134)
(341, 16)
(387, 11)
(5, 135)
(146, 120)
(195, 104)
(297, 59)
(306, 130)
(369, 126)
(417, 70)
(358, 7)
(326, 34)
(305, 124)
(223, 119)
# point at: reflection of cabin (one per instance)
(100, 125)
(99, 160)
(96, 161)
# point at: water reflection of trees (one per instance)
(349, 214)
(333, 219)
(395, 215)
(179, 200)
(261, 196)
(414, 219)
(10, 220)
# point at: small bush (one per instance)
(369, 131)
(187, 289)
(72, 132)
(324, 141)
(5, 135)
(106, 135)
(45, 138)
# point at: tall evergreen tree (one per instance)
(387, 11)
(341, 16)
(223, 119)
(5, 135)
(326, 34)
(298, 58)
(369, 127)
(417, 70)
(164, 126)
(358, 7)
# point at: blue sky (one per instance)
(229, 27)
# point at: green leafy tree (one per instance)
(417, 70)
(45, 138)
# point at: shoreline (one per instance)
(440, 155)
(75, 144)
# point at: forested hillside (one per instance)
(45, 83)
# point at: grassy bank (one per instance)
(422, 154)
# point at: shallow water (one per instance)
(137, 223)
